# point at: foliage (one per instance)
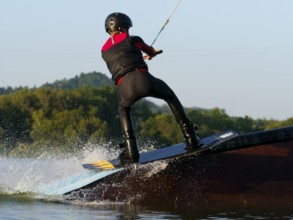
(68, 114)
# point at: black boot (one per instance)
(130, 153)
(190, 135)
(187, 127)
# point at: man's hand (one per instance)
(147, 57)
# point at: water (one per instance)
(145, 193)
(27, 207)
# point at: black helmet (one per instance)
(116, 21)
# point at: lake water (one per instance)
(22, 180)
(27, 207)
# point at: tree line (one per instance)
(68, 114)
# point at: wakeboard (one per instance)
(168, 153)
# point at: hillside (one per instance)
(92, 79)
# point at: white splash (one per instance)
(153, 168)
(34, 175)
(29, 175)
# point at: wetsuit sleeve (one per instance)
(140, 44)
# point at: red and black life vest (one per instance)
(122, 58)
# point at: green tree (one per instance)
(162, 128)
(14, 123)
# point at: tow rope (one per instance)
(167, 21)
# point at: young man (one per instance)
(123, 56)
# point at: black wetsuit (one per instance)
(123, 56)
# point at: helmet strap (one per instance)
(112, 39)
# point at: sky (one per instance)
(236, 55)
